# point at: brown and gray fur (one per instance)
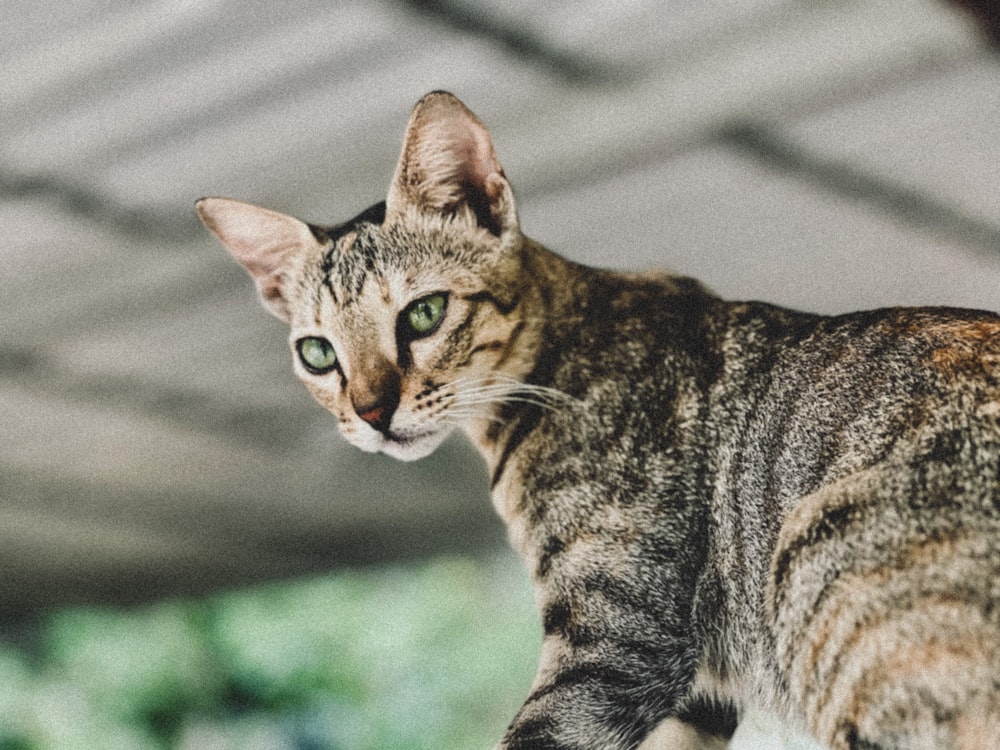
(722, 504)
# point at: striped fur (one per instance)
(721, 504)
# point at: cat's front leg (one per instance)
(575, 729)
(674, 734)
(704, 723)
(606, 695)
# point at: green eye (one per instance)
(424, 315)
(317, 354)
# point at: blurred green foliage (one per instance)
(438, 655)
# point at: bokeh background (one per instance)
(190, 556)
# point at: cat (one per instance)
(722, 505)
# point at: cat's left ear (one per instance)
(263, 241)
(448, 167)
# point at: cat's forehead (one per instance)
(362, 256)
(390, 256)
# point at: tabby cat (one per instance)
(722, 504)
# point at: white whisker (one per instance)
(477, 398)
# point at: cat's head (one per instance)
(404, 321)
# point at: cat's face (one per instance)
(404, 322)
(402, 334)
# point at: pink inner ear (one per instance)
(448, 163)
(260, 239)
(265, 242)
(262, 262)
(479, 161)
(262, 247)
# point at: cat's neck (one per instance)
(549, 290)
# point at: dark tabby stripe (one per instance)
(503, 307)
(710, 716)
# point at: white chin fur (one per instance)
(372, 441)
(411, 450)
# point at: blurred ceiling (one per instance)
(826, 154)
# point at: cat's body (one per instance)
(721, 504)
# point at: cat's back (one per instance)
(852, 463)
(884, 583)
(820, 398)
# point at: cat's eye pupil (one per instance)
(424, 314)
(317, 354)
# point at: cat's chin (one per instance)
(410, 449)
(400, 446)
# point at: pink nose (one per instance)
(374, 416)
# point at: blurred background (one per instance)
(190, 556)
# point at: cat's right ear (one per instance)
(448, 168)
(263, 241)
